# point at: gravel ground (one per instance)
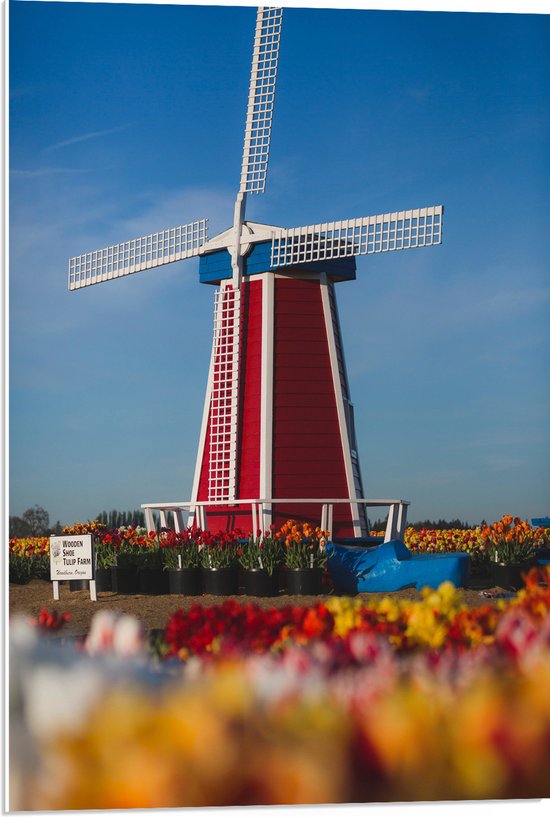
(154, 611)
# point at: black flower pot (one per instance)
(185, 581)
(153, 581)
(103, 580)
(509, 576)
(78, 584)
(304, 581)
(124, 580)
(220, 581)
(258, 582)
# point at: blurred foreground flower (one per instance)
(50, 621)
(112, 632)
(219, 741)
(388, 700)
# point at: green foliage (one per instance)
(219, 554)
(179, 549)
(261, 552)
(18, 528)
(38, 520)
(512, 552)
(34, 521)
(104, 553)
(307, 553)
(117, 519)
(426, 524)
(131, 555)
(20, 570)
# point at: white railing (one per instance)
(261, 510)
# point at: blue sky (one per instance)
(127, 119)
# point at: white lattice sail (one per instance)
(401, 230)
(139, 254)
(263, 77)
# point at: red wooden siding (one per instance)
(250, 389)
(308, 459)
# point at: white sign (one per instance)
(71, 557)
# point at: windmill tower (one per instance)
(278, 424)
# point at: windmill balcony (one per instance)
(172, 514)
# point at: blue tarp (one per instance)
(391, 566)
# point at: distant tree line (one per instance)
(441, 524)
(35, 521)
(118, 519)
(429, 524)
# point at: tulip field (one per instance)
(367, 699)
(29, 558)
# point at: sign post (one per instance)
(72, 557)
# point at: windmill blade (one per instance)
(403, 230)
(263, 76)
(139, 254)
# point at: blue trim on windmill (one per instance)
(216, 266)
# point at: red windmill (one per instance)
(277, 438)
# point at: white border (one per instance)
(501, 808)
